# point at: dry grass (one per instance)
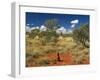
(35, 48)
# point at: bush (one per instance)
(28, 55)
(36, 54)
(44, 62)
(34, 33)
(81, 35)
(78, 60)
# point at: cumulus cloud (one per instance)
(32, 28)
(28, 24)
(43, 28)
(28, 29)
(73, 25)
(35, 28)
(61, 30)
(76, 21)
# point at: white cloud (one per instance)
(28, 24)
(32, 28)
(76, 21)
(35, 28)
(43, 28)
(73, 25)
(61, 30)
(28, 29)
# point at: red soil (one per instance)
(65, 59)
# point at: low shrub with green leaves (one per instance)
(44, 62)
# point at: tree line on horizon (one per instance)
(80, 35)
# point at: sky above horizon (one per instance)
(67, 21)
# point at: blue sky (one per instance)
(38, 19)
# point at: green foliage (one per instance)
(28, 55)
(60, 49)
(36, 55)
(49, 50)
(34, 33)
(67, 35)
(81, 35)
(44, 62)
(27, 33)
(51, 24)
(48, 36)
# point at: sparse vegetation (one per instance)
(46, 48)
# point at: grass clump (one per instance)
(44, 62)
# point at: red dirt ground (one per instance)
(66, 59)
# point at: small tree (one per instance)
(51, 24)
(81, 35)
(48, 36)
(34, 33)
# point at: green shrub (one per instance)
(28, 55)
(36, 54)
(81, 35)
(44, 62)
(78, 58)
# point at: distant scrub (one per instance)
(41, 43)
